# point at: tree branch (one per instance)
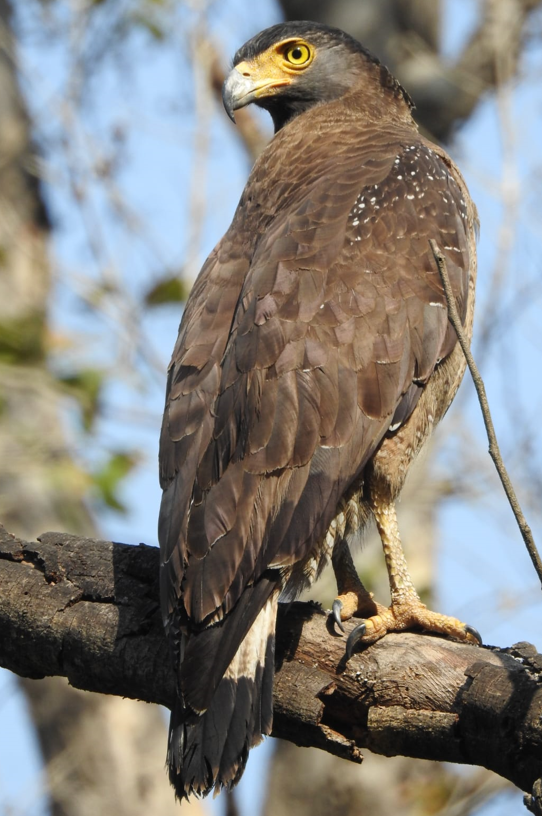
(89, 610)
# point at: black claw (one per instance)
(470, 630)
(336, 609)
(354, 638)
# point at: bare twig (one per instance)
(494, 450)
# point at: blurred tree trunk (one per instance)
(103, 755)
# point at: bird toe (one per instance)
(336, 613)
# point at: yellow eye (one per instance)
(298, 54)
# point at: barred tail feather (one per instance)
(211, 749)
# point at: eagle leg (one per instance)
(353, 598)
(406, 610)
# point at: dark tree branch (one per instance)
(89, 610)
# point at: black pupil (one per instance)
(297, 53)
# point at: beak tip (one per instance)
(228, 103)
(237, 92)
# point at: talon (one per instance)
(470, 630)
(354, 638)
(336, 610)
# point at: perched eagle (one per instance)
(313, 360)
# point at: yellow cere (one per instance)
(277, 66)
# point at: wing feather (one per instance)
(308, 332)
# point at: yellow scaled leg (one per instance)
(406, 610)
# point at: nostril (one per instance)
(246, 74)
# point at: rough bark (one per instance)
(88, 610)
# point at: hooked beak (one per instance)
(240, 89)
(237, 91)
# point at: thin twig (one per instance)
(494, 451)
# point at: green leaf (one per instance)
(86, 387)
(168, 290)
(152, 26)
(107, 480)
(22, 340)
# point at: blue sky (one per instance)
(484, 574)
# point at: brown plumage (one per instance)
(313, 359)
